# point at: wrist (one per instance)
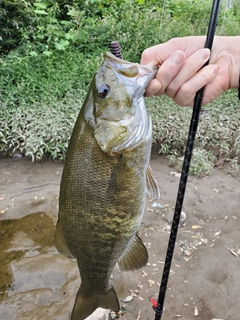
(226, 53)
(234, 51)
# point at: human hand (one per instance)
(180, 59)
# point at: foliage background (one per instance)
(50, 50)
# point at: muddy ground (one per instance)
(37, 283)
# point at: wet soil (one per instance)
(36, 282)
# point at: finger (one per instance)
(190, 67)
(185, 95)
(154, 56)
(153, 88)
(168, 70)
(165, 74)
(157, 54)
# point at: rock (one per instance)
(168, 216)
(195, 312)
(17, 156)
(157, 205)
(175, 174)
(99, 314)
(128, 299)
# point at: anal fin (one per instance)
(152, 186)
(135, 256)
(60, 242)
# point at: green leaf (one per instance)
(53, 20)
(73, 12)
(42, 12)
(70, 35)
(40, 5)
(33, 53)
(47, 53)
(65, 22)
(62, 44)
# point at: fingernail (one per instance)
(177, 58)
(204, 53)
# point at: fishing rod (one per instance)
(185, 169)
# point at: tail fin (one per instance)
(83, 307)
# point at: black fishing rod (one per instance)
(185, 169)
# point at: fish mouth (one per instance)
(130, 69)
(118, 62)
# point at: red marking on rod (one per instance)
(154, 303)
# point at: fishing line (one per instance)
(185, 169)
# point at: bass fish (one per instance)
(104, 182)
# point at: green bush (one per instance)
(12, 20)
(25, 80)
(217, 138)
(202, 163)
(88, 26)
(41, 129)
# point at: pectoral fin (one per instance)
(135, 257)
(152, 186)
(60, 242)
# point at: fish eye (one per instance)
(103, 90)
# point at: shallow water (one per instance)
(25, 237)
(34, 277)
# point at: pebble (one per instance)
(168, 216)
(157, 205)
(17, 156)
(175, 174)
(195, 312)
(128, 299)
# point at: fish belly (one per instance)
(102, 199)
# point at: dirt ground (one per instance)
(36, 282)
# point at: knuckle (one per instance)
(172, 89)
(146, 53)
(186, 89)
(183, 102)
(170, 93)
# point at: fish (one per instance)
(104, 183)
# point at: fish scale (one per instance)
(105, 178)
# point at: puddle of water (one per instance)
(38, 273)
(27, 236)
